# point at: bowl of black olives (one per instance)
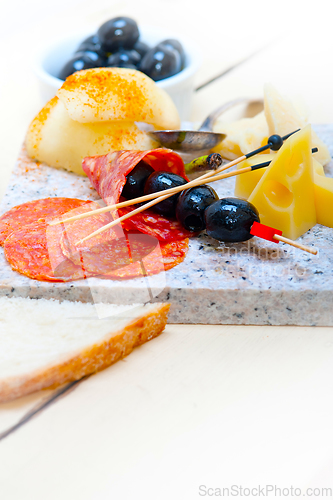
(169, 59)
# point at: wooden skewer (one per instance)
(272, 234)
(278, 237)
(141, 199)
(295, 244)
(169, 192)
(121, 219)
(196, 182)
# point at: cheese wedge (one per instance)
(283, 118)
(246, 183)
(284, 196)
(323, 191)
(323, 186)
(243, 136)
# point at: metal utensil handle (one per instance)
(207, 125)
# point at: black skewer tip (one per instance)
(266, 163)
(260, 165)
(274, 142)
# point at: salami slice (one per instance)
(108, 176)
(34, 250)
(108, 173)
(155, 225)
(107, 251)
(33, 211)
(163, 257)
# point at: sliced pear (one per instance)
(106, 94)
(284, 196)
(54, 138)
(283, 118)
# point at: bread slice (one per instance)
(45, 343)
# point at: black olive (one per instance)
(136, 180)
(141, 47)
(123, 56)
(81, 60)
(161, 62)
(92, 43)
(191, 205)
(117, 44)
(126, 65)
(230, 219)
(120, 32)
(174, 44)
(92, 39)
(160, 181)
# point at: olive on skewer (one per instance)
(197, 208)
(239, 223)
(191, 206)
(230, 219)
(226, 219)
(161, 181)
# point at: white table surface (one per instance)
(214, 406)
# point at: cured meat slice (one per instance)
(110, 254)
(108, 173)
(33, 211)
(107, 251)
(34, 250)
(155, 225)
(165, 256)
(108, 176)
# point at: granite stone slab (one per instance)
(255, 282)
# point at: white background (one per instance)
(212, 406)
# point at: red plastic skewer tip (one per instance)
(265, 232)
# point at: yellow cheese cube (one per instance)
(282, 118)
(284, 196)
(323, 191)
(245, 183)
(323, 186)
(317, 168)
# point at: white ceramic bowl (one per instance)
(180, 87)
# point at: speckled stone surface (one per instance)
(255, 282)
